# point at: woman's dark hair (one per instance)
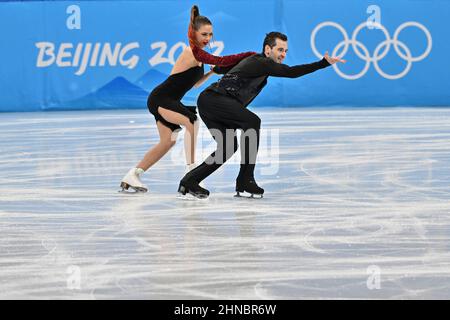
(196, 22)
(271, 37)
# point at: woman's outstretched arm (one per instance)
(221, 61)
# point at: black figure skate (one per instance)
(192, 188)
(249, 186)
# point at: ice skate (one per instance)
(192, 188)
(133, 181)
(248, 189)
(190, 167)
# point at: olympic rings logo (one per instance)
(363, 53)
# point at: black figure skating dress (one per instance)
(168, 95)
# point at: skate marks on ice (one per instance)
(354, 189)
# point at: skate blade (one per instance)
(247, 195)
(190, 197)
(125, 187)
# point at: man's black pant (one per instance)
(223, 115)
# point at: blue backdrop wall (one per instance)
(61, 55)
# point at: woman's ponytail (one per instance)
(195, 12)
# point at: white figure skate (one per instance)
(133, 181)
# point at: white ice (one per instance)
(353, 196)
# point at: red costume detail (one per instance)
(225, 61)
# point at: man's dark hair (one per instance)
(271, 38)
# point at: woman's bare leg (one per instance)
(190, 143)
(167, 140)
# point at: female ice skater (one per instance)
(164, 102)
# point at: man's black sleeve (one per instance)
(283, 70)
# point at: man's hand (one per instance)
(333, 60)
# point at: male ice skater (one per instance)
(222, 107)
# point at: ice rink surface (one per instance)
(356, 206)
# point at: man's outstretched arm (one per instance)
(282, 70)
